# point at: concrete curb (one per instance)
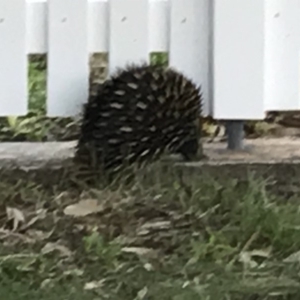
(50, 163)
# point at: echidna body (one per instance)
(137, 114)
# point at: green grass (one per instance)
(159, 237)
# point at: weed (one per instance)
(105, 252)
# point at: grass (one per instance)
(163, 238)
(160, 237)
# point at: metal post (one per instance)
(235, 135)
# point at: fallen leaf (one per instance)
(142, 293)
(10, 237)
(159, 225)
(246, 259)
(38, 235)
(41, 214)
(47, 283)
(52, 247)
(18, 256)
(261, 253)
(137, 250)
(83, 208)
(293, 258)
(74, 272)
(16, 215)
(148, 267)
(62, 196)
(94, 284)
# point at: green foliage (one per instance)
(159, 58)
(106, 252)
(37, 88)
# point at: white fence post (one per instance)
(37, 27)
(252, 45)
(13, 59)
(239, 41)
(129, 32)
(282, 55)
(98, 29)
(190, 42)
(159, 25)
(68, 68)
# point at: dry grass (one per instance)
(159, 237)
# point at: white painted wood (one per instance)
(13, 60)
(98, 29)
(159, 25)
(190, 42)
(282, 55)
(98, 26)
(67, 57)
(36, 21)
(239, 59)
(129, 34)
(255, 52)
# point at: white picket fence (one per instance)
(244, 54)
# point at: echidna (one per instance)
(137, 114)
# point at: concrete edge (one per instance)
(52, 163)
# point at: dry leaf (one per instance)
(16, 215)
(94, 284)
(52, 247)
(47, 283)
(262, 252)
(41, 214)
(293, 258)
(246, 259)
(61, 197)
(156, 225)
(74, 272)
(10, 238)
(137, 250)
(16, 256)
(148, 267)
(142, 293)
(83, 208)
(159, 225)
(38, 235)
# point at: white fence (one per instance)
(244, 54)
